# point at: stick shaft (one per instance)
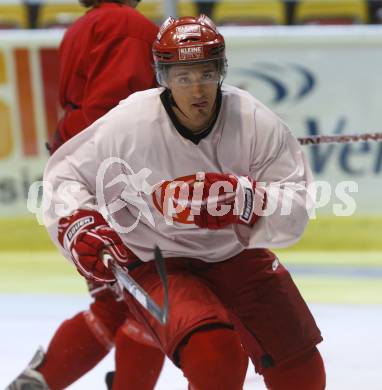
(138, 293)
(161, 269)
(340, 139)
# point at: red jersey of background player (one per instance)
(104, 53)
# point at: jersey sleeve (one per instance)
(69, 182)
(77, 175)
(279, 167)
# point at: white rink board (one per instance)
(319, 80)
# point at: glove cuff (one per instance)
(247, 186)
(253, 200)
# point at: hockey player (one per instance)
(104, 57)
(212, 176)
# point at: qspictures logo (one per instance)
(125, 198)
(131, 188)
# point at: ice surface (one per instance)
(352, 348)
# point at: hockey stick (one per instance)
(339, 139)
(161, 314)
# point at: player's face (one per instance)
(194, 89)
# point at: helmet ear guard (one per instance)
(188, 40)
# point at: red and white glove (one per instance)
(87, 236)
(228, 199)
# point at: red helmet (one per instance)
(188, 40)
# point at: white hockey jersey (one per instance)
(122, 165)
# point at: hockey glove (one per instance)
(86, 235)
(228, 199)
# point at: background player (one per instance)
(104, 57)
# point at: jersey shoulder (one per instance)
(131, 124)
(265, 118)
(246, 98)
(261, 125)
(148, 96)
(136, 113)
(239, 99)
